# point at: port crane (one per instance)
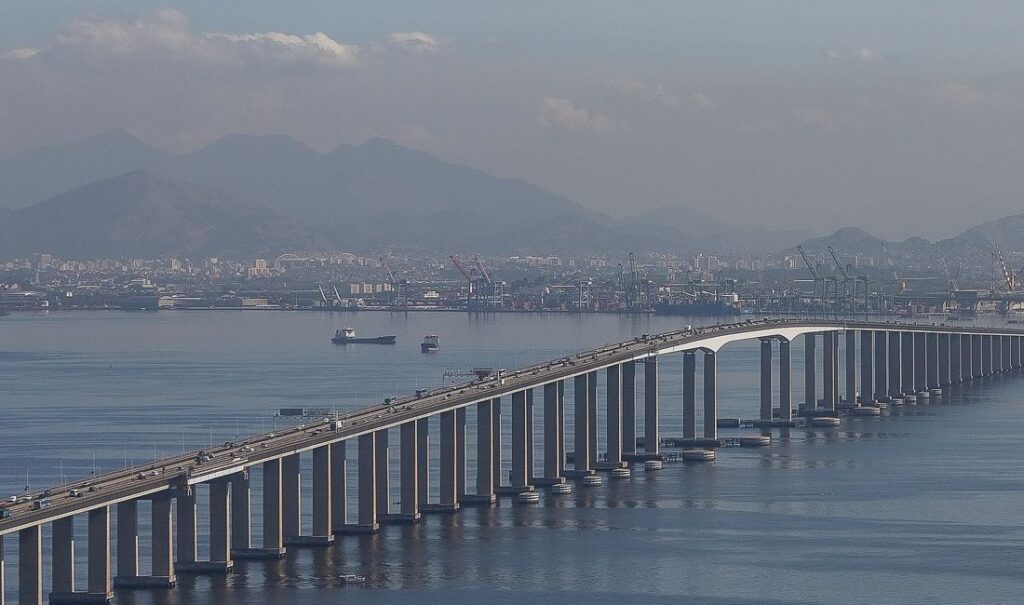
(399, 294)
(1009, 278)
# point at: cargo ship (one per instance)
(430, 344)
(346, 336)
(697, 309)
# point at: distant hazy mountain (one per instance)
(695, 230)
(36, 174)
(1007, 233)
(853, 240)
(145, 215)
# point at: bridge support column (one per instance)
(652, 433)
(921, 355)
(409, 507)
(382, 481)
(986, 355)
(99, 584)
(810, 388)
(323, 496)
(185, 503)
(593, 439)
(423, 462)
(273, 522)
(895, 364)
(963, 373)
(710, 395)
(367, 475)
(291, 498)
(581, 431)
(241, 515)
(220, 524)
(689, 395)
(1014, 359)
(953, 343)
(945, 360)
(978, 355)
(530, 436)
(934, 360)
(339, 487)
(829, 369)
(880, 386)
(613, 414)
(907, 354)
(62, 559)
(162, 572)
(484, 451)
(552, 436)
(851, 366)
(766, 380)
(1005, 340)
(30, 566)
(519, 482)
(127, 541)
(866, 367)
(496, 443)
(460, 452)
(628, 410)
(448, 500)
(785, 389)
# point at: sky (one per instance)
(904, 118)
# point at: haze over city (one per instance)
(900, 118)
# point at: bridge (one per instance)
(899, 363)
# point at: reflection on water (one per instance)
(918, 505)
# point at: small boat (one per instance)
(430, 344)
(346, 336)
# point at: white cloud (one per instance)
(168, 34)
(862, 53)
(866, 54)
(19, 54)
(701, 101)
(564, 114)
(657, 94)
(416, 42)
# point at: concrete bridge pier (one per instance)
(895, 364)
(851, 367)
(30, 566)
(581, 430)
(448, 500)
(552, 437)
(986, 355)
(127, 540)
(366, 521)
(561, 428)
(162, 565)
(810, 377)
(241, 516)
(128, 546)
(63, 559)
(881, 363)
(613, 416)
(519, 480)
(382, 464)
(460, 453)
(965, 372)
(273, 534)
(323, 494)
(907, 355)
(933, 360)
(1014, 350)
(484, 451)
(945, 360)
(422, 463)
(766, 381)
(921, 355)
(291, 499)
(339, 490)
(409, 470)
(592, 439)
(689, 395)
(867, 382)
(785, 388)
(220, 539)
(953, 344)
(628, 410)
(530, 438)
(496, 443)
(710, 395)
(1005, 366)
(978, 356)
(652, 431)
(829, 370)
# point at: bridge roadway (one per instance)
(175, 472)
(925, 351)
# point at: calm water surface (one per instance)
(922, 505)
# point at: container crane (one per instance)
(1008, 276)
(398, 288)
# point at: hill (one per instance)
(142, 214)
